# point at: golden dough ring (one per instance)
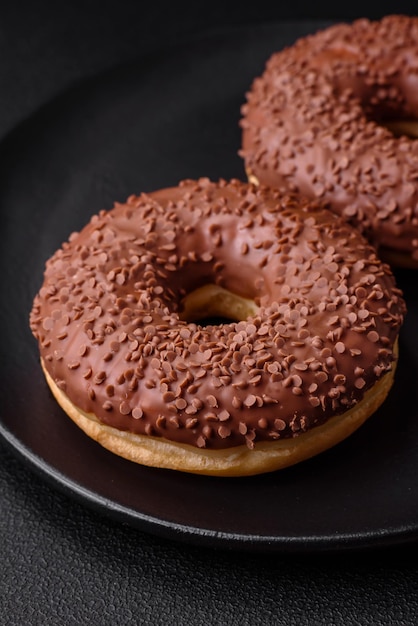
(238, 461)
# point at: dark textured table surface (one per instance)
(64, 563)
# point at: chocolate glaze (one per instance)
(108, 327)
(314, 121)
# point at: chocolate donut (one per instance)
(334, 117)
(130, 343)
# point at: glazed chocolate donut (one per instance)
(133, 350)
(334, 117)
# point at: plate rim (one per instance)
(191, 534)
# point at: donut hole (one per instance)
(399, 121)
(399, 127)
(211, 304)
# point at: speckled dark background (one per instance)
(61, 563)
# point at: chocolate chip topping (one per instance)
(315, 122)
(109, 331)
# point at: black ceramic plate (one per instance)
(145, 126)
